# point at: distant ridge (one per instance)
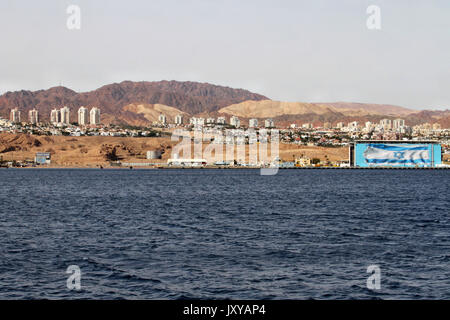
(189, 97)
(140, 103)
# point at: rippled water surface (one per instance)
(174, 234)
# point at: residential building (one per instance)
(179, 119)
(221, 120)
(82, 116)
(65, 113)
(94, 116)
(15, 115)
(398, 123)
(386, 124)
(340, 125)
(162, 119)
(55, 116)
(253, 123)
(197, 121)
(33, 116)
(234, 121)
(268, 123)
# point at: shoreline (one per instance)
(225, 168)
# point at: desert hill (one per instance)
(92, 151)
(151, 112)
(318, 113)
(140, 103)
(189, 97)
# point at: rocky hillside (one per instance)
(140, 103)
(318, 113)
(189, 97)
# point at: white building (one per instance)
(33, 116)
(55, 116)
(253, 123)
(65, 112)
(197, 121)
(162, 119)
(234, 121)
(179, 119)
(386, 124)
(353, 125)
(221, 120)
(340, 125)
(369, 125)
(94, 116)
(268, 123)
(14, 115)
(307, 125)
(398, 123)
(210, 120)
(82, 116)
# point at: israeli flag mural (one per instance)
(397, 154)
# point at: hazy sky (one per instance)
(316, 50)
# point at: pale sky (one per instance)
(310, 51)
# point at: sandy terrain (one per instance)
(69, 151)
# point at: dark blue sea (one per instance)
(219, 234)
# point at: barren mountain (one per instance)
(318, 113)
(140, 103)
(273, 109)
(189, 97)
(151, 112)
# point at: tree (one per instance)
(112, 155)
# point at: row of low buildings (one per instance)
(198, 121)
(384, 127)
(60, 116)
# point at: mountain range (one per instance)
(140, 103)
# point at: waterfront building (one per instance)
(253, 123)
(94, 116)
(42, 158)
(65, 113)
(33, 116)
(82, 116)
(210, 120)
(303, 162)
(14, 115)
